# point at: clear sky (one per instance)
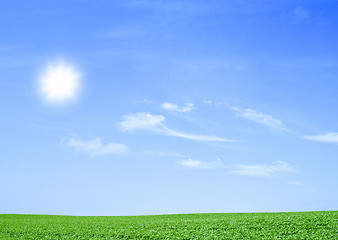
(153, 107)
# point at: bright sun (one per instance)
(60, 83)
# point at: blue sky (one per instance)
(153, 107)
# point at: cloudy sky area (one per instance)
(152, 107)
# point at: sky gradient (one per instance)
(153, 107)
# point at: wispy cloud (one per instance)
(330, 137)
(302, 185)
(125, 32)
(260, 117)
(173, 107)
(296, 183)
(301, 12)
(8, 47)
(201, 8)
(190, 163)
(186, 7)
(154, 123)
(207, 138)
(95, 147)
(265, 170)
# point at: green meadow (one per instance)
(299, 225)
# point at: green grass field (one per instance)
(302, 225)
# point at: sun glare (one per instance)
(60, 83)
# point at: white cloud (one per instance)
(260, 117)
(207, 102)
(95, 147)
(172, 107)
(301, 12)
(154, 123)
(265, 170)
(141, 121)
(194, 163)
(190, 163)
(330, 137)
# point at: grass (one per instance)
(300, 225)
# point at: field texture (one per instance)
(306, 225)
